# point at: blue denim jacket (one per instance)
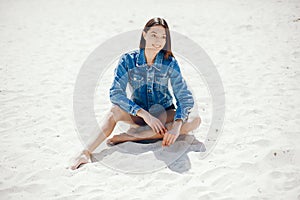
(149, 85)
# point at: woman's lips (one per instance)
(156, 46)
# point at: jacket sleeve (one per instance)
(183, 96)
(117, 91)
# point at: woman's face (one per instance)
(155, 38)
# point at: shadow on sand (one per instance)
(137, 157)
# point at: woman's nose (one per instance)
(159, 41)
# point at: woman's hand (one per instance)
(153, 122)
(83, 158)
(171, 135)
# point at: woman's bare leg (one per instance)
(115, 115)
(112, 117)
(188, 126)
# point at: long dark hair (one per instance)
(155, 22)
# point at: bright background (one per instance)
(255, 46)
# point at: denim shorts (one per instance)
(140, 121)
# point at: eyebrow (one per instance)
(155, 32)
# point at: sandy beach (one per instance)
(255, 47)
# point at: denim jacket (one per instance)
(149, 85)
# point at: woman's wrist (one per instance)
(177, 124)
(142, 113)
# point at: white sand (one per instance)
(256, 48)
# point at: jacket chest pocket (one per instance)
(161, 83)
(136, 80)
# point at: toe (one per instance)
(109, 142)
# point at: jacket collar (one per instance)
(141, 59)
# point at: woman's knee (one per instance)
(116, 113)
(198, 121)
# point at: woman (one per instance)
(148, 72)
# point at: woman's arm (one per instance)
(118, 89)
(184, 102)
(183, 96)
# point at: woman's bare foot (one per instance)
(123, 137)
(83, 158)
(136, 134)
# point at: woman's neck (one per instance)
(150, 56)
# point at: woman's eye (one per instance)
(153, 35)
(164, 37)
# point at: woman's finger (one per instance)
(165, 129)
(161, 127)
(173, 139)
(156, 123)
(168, 139)
(157, 129)
(160, 131)
(154, 128)
(165, 139)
